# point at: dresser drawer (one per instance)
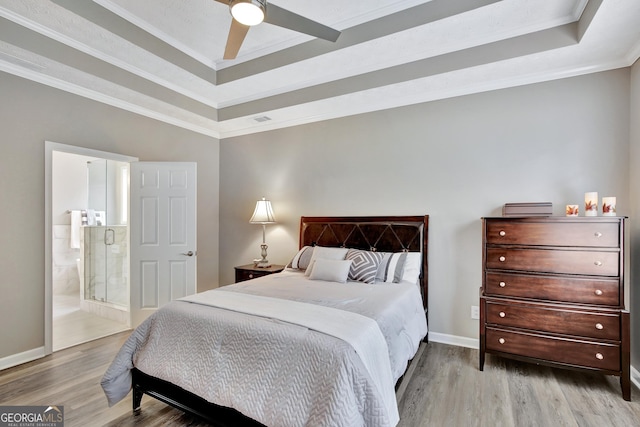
(554, 349)
(596, 263)
(249, 271)
(242, 275)
(547, 318)
(568, 289)
(587, 234)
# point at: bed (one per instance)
(298, 347)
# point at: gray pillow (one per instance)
(364, 265)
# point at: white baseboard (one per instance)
(20, 358)
(635, 377)
(454, 340)
(474, 343)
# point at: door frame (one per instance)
(49, 148)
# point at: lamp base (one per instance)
(261, 263)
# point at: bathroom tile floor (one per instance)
(72, 326)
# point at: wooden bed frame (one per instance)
(377, 233)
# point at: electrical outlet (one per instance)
(475, 312)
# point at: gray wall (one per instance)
(456, 160)
(635, 213)
(31, 113)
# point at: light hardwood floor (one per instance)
(446, 389)
(72, 326)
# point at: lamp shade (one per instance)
(263, 214)
(248, 12)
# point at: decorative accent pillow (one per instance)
(330, 270)
(399, 266)
(391, 267)
(302, 259)
(364, 265)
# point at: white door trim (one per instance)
(49, 148)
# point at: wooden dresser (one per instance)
(553, 293)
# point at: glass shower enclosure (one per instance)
(105, 243)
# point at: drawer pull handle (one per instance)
(502, 341)
(599, 356)
(250, 276)
(502, 233)
(502, 284)
(598, 292)
(598, 263)
(599, 326)
(597, 234)
(502, 314)
(502, 259)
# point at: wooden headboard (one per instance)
(371, 233)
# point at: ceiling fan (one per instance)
(247, 13)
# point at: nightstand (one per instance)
(250, 271)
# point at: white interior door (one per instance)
(163, 235)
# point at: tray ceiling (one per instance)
(163, 58)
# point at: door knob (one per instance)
(190, 253)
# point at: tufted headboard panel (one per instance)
(372, 233)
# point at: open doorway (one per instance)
(87, 286)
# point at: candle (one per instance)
(609, 206)
(591, 203)
(572, 210)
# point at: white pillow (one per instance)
(328, 253)
(304, 261)
(330, 270)
(412, 267)
(309, 269)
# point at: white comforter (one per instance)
(278, 373)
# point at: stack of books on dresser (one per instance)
(528, 209)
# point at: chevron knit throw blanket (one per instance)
(361, 332)
(283, 363)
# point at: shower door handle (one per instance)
(109, 236)
(190, 253)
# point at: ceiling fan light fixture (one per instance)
(248, 12)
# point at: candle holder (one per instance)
(609, 206)
(572, 210)
(591, 203)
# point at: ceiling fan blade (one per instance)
(237, 33)
(292, 21)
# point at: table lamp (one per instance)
(263, 214)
